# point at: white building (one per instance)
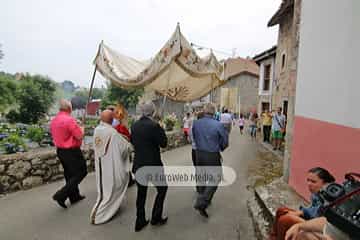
(266, 61)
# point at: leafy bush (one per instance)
(13, 144)
(35, 134)
(91, 123)
(128, 97)
(12, 116)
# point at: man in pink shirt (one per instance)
(67, 136)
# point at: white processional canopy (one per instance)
(176, 71)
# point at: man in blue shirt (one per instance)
(210, 138)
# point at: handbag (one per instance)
(282, 129)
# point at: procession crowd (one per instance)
(120, 153)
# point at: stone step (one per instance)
(267, 199)
(260, 222)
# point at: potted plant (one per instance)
(170, 121)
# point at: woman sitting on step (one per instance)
(285, 217)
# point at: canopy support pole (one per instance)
(92, 83)
(212, 90)
(90, 93)
(163, 105)
(166, 92)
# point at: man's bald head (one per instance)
(107, 116)
(65, 105)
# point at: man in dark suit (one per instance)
(148, 136)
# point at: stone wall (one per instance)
(22, 171)
(281, 86)
(247, 92)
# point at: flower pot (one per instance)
(169, 127)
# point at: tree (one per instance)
(68, 86)
(1, 53)
(78, 102)
(7, 90)
(81, 97)
(128, 97)
(35, 96)
(97, 93)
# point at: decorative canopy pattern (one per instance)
(176, 71)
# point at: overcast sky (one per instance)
(59, 38)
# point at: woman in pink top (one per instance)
(241, 123)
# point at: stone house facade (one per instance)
(239, 94)
(284, 89)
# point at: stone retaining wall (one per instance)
(21, 171)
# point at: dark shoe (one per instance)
(77, 199)
(140, 225)
(160, 222)
(203, 212)
(59, 201)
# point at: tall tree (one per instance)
(78, 102)
(97, 93)
(81, 96)
(35, 96)
(128, 97)
(7, 90)
(68, 86)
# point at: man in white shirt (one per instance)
(226, 120)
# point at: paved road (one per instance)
(32, 215)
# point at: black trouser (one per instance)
(158, 204)
(75, 171)
(207, 189)
(266, 132)
(193, 157)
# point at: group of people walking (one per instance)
(273, 126)
(113, 147)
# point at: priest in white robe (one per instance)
(112, 165)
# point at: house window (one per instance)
(267, 71)
(283, 61)
(285, 108)
(265, 106)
